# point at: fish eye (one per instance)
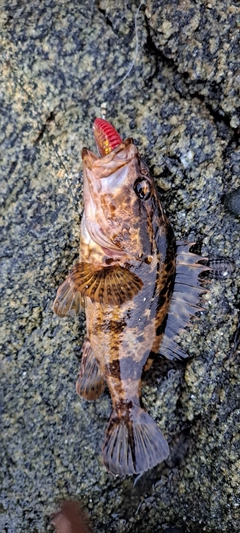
(142, 188)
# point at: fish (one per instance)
(139, 288)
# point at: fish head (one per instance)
(120, 203)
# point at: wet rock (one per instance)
(232, 202)
(57, 61)
(202, 41)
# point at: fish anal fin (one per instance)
(68, 301)
(133, 442)
(111, 285)
(90, 383)
(186, 298)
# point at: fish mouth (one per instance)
(107, 174)
(104, 167)
(114, 152)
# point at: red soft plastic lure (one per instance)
(106, 137)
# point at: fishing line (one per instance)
(135, 54)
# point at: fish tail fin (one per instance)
(133, 442)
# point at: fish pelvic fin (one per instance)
(111, 285)
(133, 442)
(68, 301)
(90, 383)
(185, 301)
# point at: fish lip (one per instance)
(110, 162)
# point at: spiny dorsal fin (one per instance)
(111, 285)
(185, 299)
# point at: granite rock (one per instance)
(202, 41)
(59, 61)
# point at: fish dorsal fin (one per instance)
(111, 285)
(186, 296)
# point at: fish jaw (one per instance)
(102, 167)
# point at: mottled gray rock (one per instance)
(232, 202)
(202, 40)
(57, 61)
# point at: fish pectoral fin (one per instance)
(68, 301)
(133, 442)
(111, 285)
(90, 383)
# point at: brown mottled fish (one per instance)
(139, 288)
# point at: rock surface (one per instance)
(179, 101)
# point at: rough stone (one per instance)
(202, 40)
(58, 62)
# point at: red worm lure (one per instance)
(107, 138)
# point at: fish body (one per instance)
(129, 265)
